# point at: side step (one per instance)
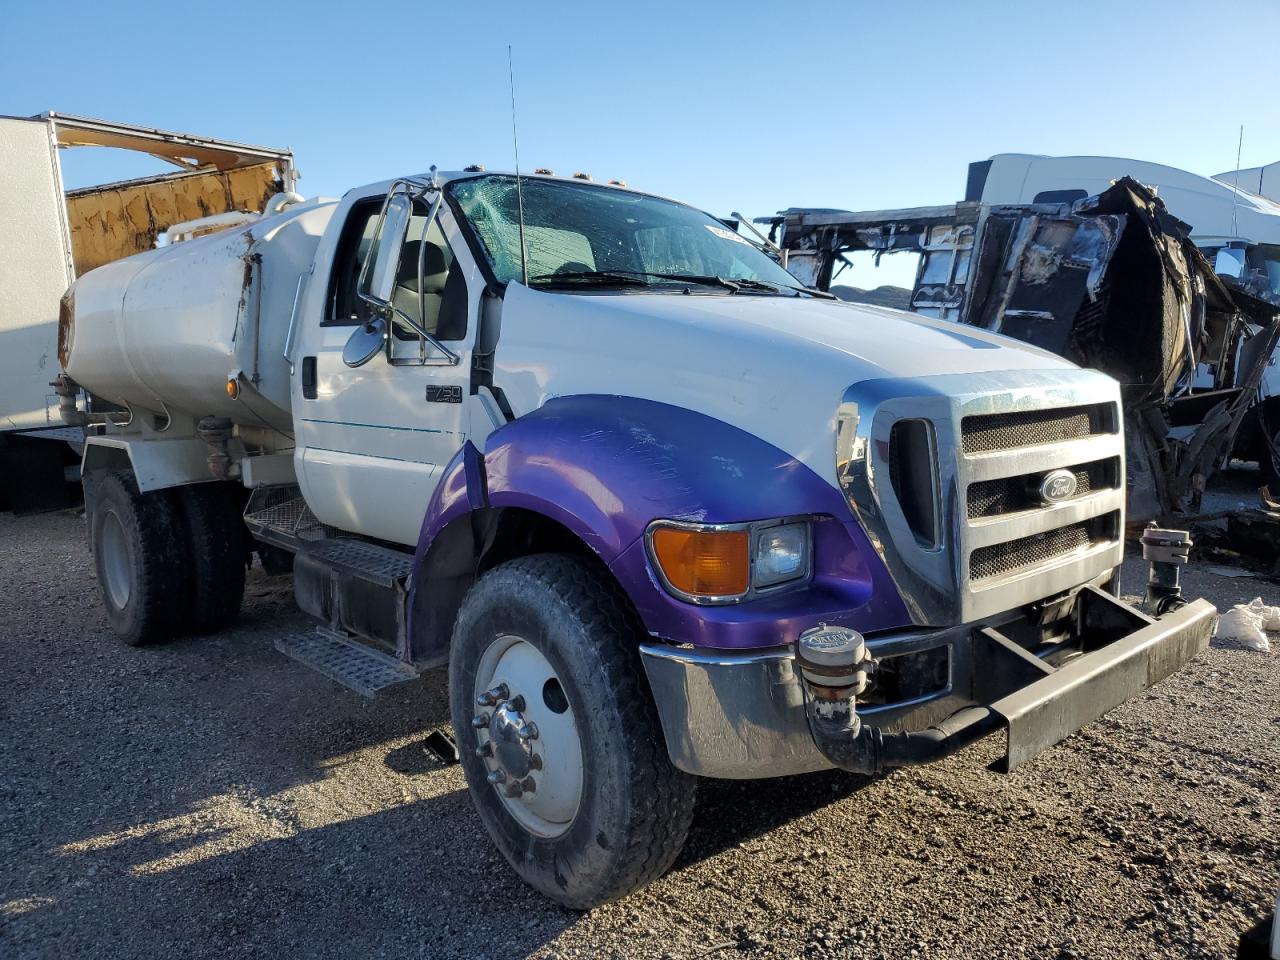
(351, 663)
(368, 561)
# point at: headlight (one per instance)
(781, 554)
(726, 563)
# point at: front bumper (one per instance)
(742, 715)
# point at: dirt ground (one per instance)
(210, 798)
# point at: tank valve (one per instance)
(216, 431)
(835, 666)
(68, 392)
(1166, 552)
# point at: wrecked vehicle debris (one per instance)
(1110, 281)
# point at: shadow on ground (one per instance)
(211, 798)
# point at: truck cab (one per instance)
(663, 511)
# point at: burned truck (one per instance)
(1111, 281)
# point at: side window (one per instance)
(427, 257)
(345, 305)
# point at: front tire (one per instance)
(567, 766)
(138, 545)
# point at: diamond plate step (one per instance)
(279, 514)
(352, 664)
(368, 561)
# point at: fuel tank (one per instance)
(166, 330)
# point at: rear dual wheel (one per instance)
(169, 562)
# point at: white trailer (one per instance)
(49, 235)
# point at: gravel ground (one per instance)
(211, 798)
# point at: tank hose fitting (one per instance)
(68, 392)
(216, 431)
(836, 668)
(1166, 552)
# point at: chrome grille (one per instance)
(991, 498)
(1015, 555)
(1030, 428)
(995, 437)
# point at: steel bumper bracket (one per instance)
(1052, 708)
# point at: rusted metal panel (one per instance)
(119, 220)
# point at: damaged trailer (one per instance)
(50, 235)
(1111, 281)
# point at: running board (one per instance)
(353, 664)
(359, 558)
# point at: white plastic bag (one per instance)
(1247, 624)
(1270, 616)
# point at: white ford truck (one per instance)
(663, 512)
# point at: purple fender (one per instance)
(604, 467)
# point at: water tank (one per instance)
(166, 329)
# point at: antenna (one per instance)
(515, 146)
(1235, 195)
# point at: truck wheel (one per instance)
(138, 545)
(218, 542)
(558, 735)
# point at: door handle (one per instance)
(308, 378)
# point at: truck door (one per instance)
(378, 406)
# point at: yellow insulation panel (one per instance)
(116, 221)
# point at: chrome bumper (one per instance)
(742, 715)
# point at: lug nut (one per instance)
(516, 703)
(492, 695)
(514, 790)
(485, 749)
(527, 731)
(497, 776)
(527, 785)
(480, 721)
(535, 761)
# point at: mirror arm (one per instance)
(416, 189)
(400, 316)
(422, 253)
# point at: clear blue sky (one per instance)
(746, 106)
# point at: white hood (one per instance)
(776, 367)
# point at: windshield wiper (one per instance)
(756, 284)
(601, 277)
(735, 284)
(632, 276)
(637, 277)
(706, 280)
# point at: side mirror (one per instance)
(365, 342)
(1229, 263)
(378, 276)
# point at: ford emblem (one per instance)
(1057, 486)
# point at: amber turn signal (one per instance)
(233, 388)
(703, 563)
